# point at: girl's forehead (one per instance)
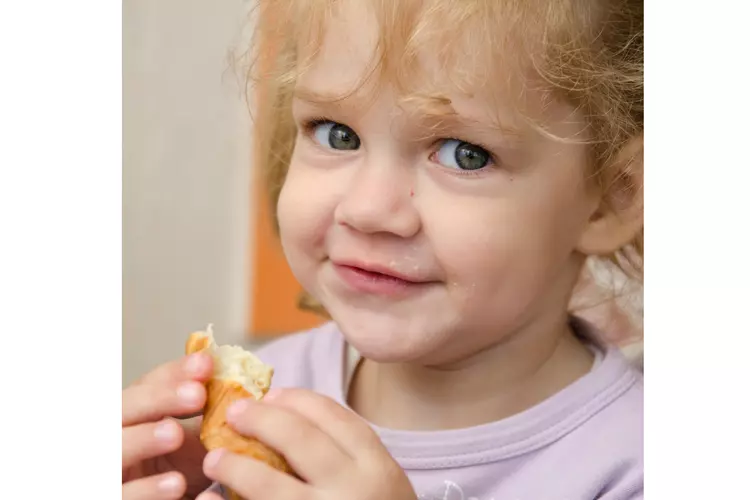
(342, 52)
(356, 52)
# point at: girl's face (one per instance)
(428, 240)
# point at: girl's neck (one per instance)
(496, 383)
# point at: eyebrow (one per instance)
(444, 118)
(317, 97)
(456, 121)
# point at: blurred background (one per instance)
(195, 232)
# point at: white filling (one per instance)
(235, 364)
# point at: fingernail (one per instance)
(237, 408)
(194, 364)
(171, 484)
(189, 392)
(272, 394)
(166, 431)
(212, 458)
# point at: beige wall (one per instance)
(185, 177)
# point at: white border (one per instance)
(697, 251)
(60, 258)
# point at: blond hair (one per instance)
(586, 52)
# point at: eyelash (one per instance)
(308, 126)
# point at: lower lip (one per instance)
(376, 283)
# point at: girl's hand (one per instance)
(162, 458)
(335, 453)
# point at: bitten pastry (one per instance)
(238, 374)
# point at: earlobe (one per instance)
(619, 217)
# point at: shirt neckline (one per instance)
(532, 429)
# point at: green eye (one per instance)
(336, 136)
(462, 155)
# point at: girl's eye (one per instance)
(462, 155)
(335, 135)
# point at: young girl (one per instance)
(442, 170)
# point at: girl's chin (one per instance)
(388, 340)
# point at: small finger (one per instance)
(252, 479)
(150, 440)
(167, 486)
(350, 432)
(151, 402)
(284, 430)
(198, 366)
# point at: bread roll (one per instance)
(238, 374)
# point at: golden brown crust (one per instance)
(197, 341)
(231, 495)
(216, 432)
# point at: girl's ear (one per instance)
(619, 217)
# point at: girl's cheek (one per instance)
(305, 208)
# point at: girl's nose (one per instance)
(380, 200)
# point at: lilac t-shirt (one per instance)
(583, 443)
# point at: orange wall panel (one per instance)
(274, 310)
(275, 291)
